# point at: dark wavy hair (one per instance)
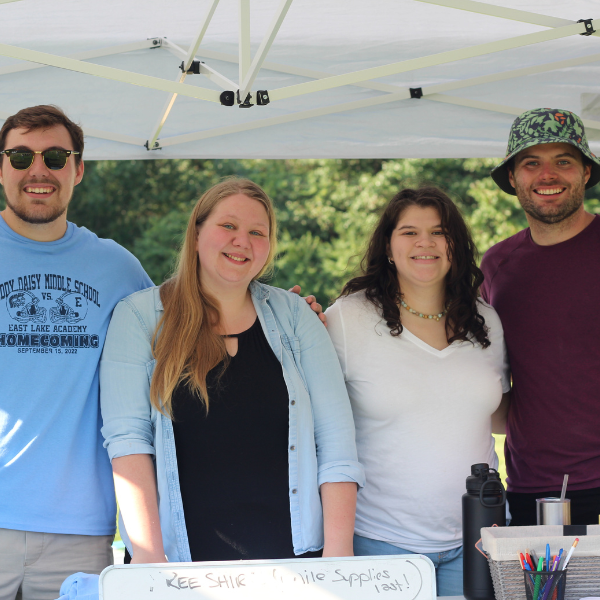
(379, 278)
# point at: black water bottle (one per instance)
(482, 506)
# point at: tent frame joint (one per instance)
(246, 103)
(589, 28)
(416, 92)
(193, 69)
(156, 42)
(155, 146)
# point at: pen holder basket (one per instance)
(545, 585)
(502, 546)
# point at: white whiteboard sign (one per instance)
(406, 577)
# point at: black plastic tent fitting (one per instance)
(227, 98)
(416, 92)
(262, 97)
(246, 103)
(194, 68)
(589, 28)
(155, 147)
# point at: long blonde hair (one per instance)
(185, 344)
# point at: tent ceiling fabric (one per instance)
(338, 73)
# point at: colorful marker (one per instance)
(559, 557)
(536, 587)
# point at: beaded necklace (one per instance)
(422, 315)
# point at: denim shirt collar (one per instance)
(257, 290)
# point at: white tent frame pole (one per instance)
(338, 108)
(499, 108)
(151, 43)
(431, 92)
(386, 87)
(212, 74)
(264, 48)
(193, 49)
(502, 12)
(113, 137)
(174, 48)
(493, 10)
(244, 52)
(98, 133)
(151, 142)
(299, 116)
(318, 85)
(483, 79)
(187, 61)
(209, 72)
(111, 73)
(428, 61)
(272, 66)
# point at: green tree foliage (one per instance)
(326, 209)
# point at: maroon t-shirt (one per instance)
(548, 299)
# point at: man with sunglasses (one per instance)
(58, 286)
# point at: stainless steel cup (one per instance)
(551, 511)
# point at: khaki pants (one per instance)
(34, 565)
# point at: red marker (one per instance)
(522, 560)
(530, 562)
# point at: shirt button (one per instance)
(293, 402)
(292, 448)
(294, 491)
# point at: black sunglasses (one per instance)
(54, 158)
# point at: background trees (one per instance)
(326, 208)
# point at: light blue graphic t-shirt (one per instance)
(56, 299)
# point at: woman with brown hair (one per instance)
(424, 362)
(225, 412)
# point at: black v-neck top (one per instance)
(233, 461)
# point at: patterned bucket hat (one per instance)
(545, 126)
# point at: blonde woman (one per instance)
(226, 416)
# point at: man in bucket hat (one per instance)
(545, 284)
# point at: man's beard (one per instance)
(35, 218)
(552, 214)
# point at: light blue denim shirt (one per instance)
(321, 444)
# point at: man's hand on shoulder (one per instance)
(312, 302)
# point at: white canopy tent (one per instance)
(337, 74)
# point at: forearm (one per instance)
(500, 417)
(135, 485)
(339, 509)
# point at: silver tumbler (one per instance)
(553, 511)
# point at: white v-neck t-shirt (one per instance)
(422, 419)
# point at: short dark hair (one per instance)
(379, 278)
(43, 116)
